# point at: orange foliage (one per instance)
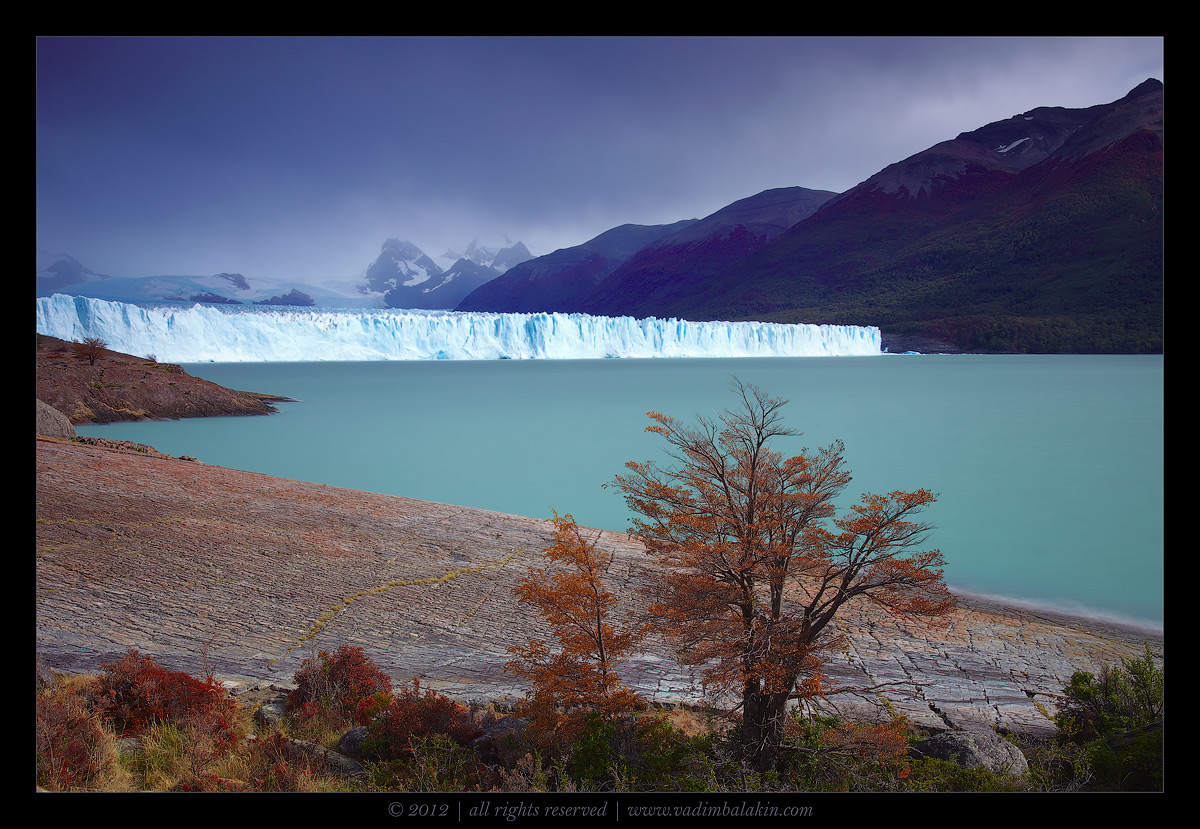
(750, 577)
(879, 742)
(581, 672)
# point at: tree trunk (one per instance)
(763, 716)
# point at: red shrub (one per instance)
(339, 681)
(135, 692)
(369, 708)
(413, 715)
(71, 745)
(275, 766)
(210, 783)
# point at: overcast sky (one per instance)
(296, 158)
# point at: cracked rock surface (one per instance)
(204, 567)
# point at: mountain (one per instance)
(401, 276)
(445, 291)
(400, 265)
(407, 278)
(221, 288)
(640, 270)
(510, 257)
(499, 259)
(656, 278)
(560, 281)
(62, 271)
(294, 297)
(1043, 232)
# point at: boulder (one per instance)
(270, 714)
(490, 746)
(335, 762)
(45, 676)
(52, 423)
(975, 749)
(352, 741)
(304, 751)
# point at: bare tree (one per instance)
(91, 349)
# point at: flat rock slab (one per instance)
(207, 568)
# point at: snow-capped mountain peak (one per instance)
(499, 256)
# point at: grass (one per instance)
(433, 581)
(676, 750)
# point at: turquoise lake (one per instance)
(1049, 468)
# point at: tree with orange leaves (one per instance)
(581, 673)
(751, 576)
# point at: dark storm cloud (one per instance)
(296, 157)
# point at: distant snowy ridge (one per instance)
(202, 333)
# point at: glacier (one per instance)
(206, 333)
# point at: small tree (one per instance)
(573, 599)
(750, 579)
(90, 349)
(1118, 699)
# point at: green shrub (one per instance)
(662, 752)
(1058, 767)
(637, 753)
(1118, 699)
(1117, 717)
(927, 774)
(436, 763)
(825, 753)
(594, 753)
(1130, 762)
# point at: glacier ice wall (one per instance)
(205, 333)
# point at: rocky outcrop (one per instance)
(44, 675)
(335, 762)
(52, 423)
(122, 387)
(188, 562)
(351, 743)
(270, 714)
(975, 749)
(492, 747)
(292, 297)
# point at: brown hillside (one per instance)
(124, 387)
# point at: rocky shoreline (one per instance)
(122, 387)
(202, 566)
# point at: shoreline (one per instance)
(1098, 619)
(247, 574)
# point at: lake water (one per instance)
(1049, 468)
